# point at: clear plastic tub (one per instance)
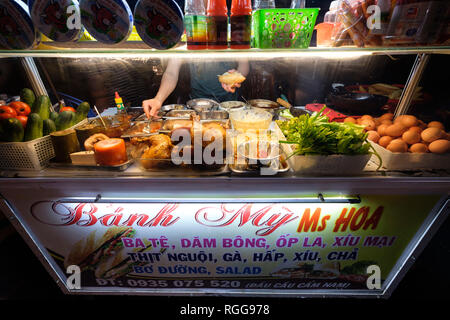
(250, 119)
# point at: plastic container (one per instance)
(56, 19)
(410, 161)
(241, 24)
(217, 24)
(195, 24)
(159, 23)
(264, 4)
(297, 4)
(29, 155)
(108, 21)
(323, 165)
(17, 31)
(250, 119)
(284, 28)
(416, 22)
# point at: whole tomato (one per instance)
(7, 112)
(23, 120)
(21, 108)
(67, 109)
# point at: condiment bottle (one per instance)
(195, 24)
(241, 24)
(119, 103)
(217, 21)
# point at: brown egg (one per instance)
(439, 146)
(366, 116)
(368, 124)
(350, 119)
(372, 135)
(397, 145)
(418, 148)
(436, 124)
(431, 134)
(395, 130)
(385, 121)
(407, 120)
(384, 141)
(382, 129)
(387, 116)
(416, 129)
(411, 137)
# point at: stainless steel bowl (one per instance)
(214, 115)
(179, 114)
(202, 104)
(170, 107)
(232, 105)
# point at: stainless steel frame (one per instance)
(107, 191)
(413, 80)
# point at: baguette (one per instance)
(231, 78)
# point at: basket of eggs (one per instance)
(406, 142)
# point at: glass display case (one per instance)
(324, 173)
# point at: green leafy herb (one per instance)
(315, 135)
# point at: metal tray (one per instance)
(121, 167)
(130, 134)
(179, 114)
(245, 170)
(165, 167)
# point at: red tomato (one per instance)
(21, 108)
(67, 109)
(7, 112)
(23, 120)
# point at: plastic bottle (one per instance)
(330, 16)
(259, 4)
(195, 24)
(217, 21)
(325, 29)
(264, 4)
(297, 4)
(119, 104)
(241, 24)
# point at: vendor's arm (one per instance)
(168, 84)
(244, 69)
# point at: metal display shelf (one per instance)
(131, 51)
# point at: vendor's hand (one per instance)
(230, 87)
(151, 107)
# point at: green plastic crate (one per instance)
(284, 28)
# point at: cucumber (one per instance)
(27, 96)
(53, 115)
(34, 129)
(48, 127)
(41, 106)
(65, 120)
(82, 112)
(12, 130)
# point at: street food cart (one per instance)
(307, 224)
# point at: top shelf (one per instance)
(138, 51)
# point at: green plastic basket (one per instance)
(284, 28)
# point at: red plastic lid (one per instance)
(117, 95)
(241, 7)
(217, 8)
